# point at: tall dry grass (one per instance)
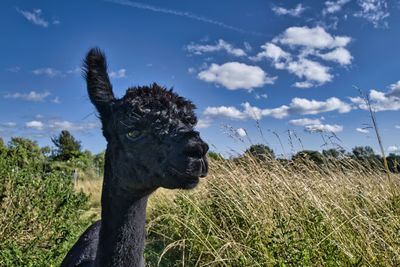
(253, 212)
(91, 185)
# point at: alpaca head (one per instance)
(150, 132)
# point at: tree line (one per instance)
(363, 154)
(68, 149)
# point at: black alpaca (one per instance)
(151, 143)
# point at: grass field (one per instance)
(252, 212)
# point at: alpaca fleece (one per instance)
(151, 143)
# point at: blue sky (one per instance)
(287, 68)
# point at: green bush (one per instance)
(40, 214)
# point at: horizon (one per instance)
(289, 69)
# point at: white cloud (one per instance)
(203, 123)
(37, 125)
(305, 106)
(9, 124)
(304, 121)
(271, 51)
(397, 126)
(340, 55)
(312, 71)
(374, 11)
(54, 126)
(223, 111)
(381, 101)
(247, 46)
(394, 89)
(191, 70)
(393, 149)
(334, 6)
(35, 17)
(395, 86)
(221, 45)
(298, 106)
(80, 127)
(235, 75)
(50, 72)
(241, 132)
(75, 70)
(263, 96)
(305, 84)
(14, 69)
(362, 130)
(59, 125)
(303, 42)
(56, 100)
(121, 73)
(324, 128)
(295, 12)
(62, 125)
(311, 37)
(31, 96)
(252, 112)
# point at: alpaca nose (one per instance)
(197, 149)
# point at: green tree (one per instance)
(260, 151)
(24, 151)
(312, 155)
(333, 153)
(3, 148)
(363, 152)
(67, 146)
(46, 151)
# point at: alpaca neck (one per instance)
(123, 218)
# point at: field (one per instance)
(252, 212)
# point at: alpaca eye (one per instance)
(133, 134)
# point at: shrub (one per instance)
(40, 214)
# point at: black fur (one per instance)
(151, 143)
(98, 83)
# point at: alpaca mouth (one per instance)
(204, 167)
(190, 178)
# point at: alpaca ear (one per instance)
(98, 84)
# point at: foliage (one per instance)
(361, 152)
(67, 146)
(333, 153)
(394, 162)
(3, 148)
(309, 155)
(260, 151)
(25, 152)
(318, 209)
(40, 214)
(98, 161)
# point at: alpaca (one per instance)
(151, 143)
